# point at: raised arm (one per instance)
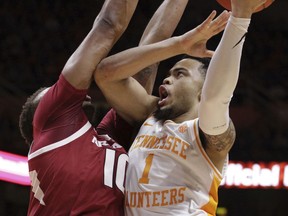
(220, 82)
(125, 94)
(161, 26)
(108, 26)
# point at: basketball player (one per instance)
(161, 26)
(73, 169)
(178, 158)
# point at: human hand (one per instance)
(245, 8)
(194, 42)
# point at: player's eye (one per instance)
(180, 73)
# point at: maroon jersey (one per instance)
(73, 170)
(117, 128)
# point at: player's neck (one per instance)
(192, 114)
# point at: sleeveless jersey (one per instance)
(169, 172)
(73, 170)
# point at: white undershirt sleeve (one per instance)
(221, 79)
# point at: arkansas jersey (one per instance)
(169, 172)
(73, 170)
(117, 128)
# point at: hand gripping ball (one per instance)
(227, 5)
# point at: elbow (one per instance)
(108, 28)
(215, 98)
(115, 16)
(107, 72)
(112, 26)
(103, 74)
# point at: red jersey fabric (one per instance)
(73, 169)
(117, 128)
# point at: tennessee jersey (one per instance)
(73, 170)
(169, 172)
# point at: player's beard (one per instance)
(164, 114)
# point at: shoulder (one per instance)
(218, 146)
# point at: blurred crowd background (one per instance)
(38, 36)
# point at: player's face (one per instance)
(181, 90)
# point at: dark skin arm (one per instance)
(108, 26)
(160, 27)
(114, 73)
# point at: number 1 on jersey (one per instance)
(144, 179)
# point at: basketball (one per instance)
(227, 4)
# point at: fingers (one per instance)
(205, 25)
(209, 19)
(216, 25)
(220, 28)
(221, 20)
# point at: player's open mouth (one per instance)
(163, 94)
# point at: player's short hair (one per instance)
(26, 116)
(205, 62)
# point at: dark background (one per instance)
(38, 36)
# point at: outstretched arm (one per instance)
(108, 26)
(214, 118)
(125, 94)
(161, 26)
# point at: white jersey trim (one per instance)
(61, 143)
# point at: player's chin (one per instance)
(163, 113)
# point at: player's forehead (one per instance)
(186, 64)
